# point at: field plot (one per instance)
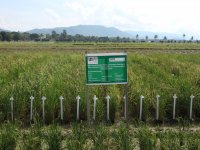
(53, 69)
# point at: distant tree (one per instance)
(54, 35)
(16, 36)
(63, 36)
(146, 38)
(192, 38)
(137, 37)
(34, 36)
(165, 38)
(155, 37)
(25, 36)
(184, 37)
(118, 39)
(0, 37)
(6, 36)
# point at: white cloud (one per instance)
(178, 16)
(52, 14)
(154, 15)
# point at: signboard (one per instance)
(106, 68)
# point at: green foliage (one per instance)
(54, 137)
(8, 136)
(32, 138)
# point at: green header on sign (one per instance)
(106, 68)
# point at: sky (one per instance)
(173, 16)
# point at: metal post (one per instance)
(141, 100)
(43, 111)
(108, 107)
(191, 103)
(126, 92)
(94, 111)
(61, 107)
(11, 104)
(31, 109)
(88, 104)
(157, 106)
(174, 106)
(125, 115)
(77, 108)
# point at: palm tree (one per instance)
(183, 37)
(192, 38)
(146, 37)
(137, 37)
(155, 37)
(165, 38)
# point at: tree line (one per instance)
(54, 36)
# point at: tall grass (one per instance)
(8, 136)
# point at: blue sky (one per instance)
(174, 16)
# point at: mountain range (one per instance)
(101, 31)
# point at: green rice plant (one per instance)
(77, 139)
(122, 137)
(100, 137)
(147, 139)
(54, 137)
(8, 136)
(32, 138)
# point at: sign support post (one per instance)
(88, 103)
(108, 107)
(95, 104)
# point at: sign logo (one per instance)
(92, 60)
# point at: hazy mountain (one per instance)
(2, 30)
(97, 30)
(87, 30)
(143, 34)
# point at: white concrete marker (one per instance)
(11, 105)
(77, 108)
(141, 100)
(94, 111)
(174, 106)
(61, 107)
(43, 112)
(191, 103)
(157, 106)
(31, 109)
(124, 107)
(108, 107)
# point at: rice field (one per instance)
(28, 71)
(55, 69)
